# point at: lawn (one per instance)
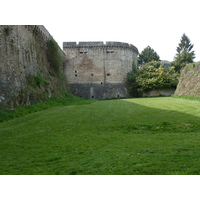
(124, 136)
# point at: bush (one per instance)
(153, 75)
(131, 81)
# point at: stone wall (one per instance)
(23, 59)
(98, 70)
(189, 80)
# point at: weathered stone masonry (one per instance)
(92, 69)
(22, 56)
(98, 70)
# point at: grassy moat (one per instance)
(124, 136)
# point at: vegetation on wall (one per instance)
(49, 80)
(184, 55)
(54, 56)
(189, 80)
(7, 30)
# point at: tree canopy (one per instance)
(148, 55)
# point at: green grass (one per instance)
(126, 136)
(187, 97)
(66, 99)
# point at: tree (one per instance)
(184, 55)
(150, 76)
(131, 81)
(148, 55)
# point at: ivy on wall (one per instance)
(54, 57)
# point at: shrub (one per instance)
(153, 75)
(131, 81)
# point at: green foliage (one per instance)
(184, 55)
(148, 55)
(7, 30)
(131, 81)
(153, 75)
(39, 81)
(131, 136)
(54, 56)
(186, 97)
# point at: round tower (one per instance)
(98, 70)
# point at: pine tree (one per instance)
(184, 55)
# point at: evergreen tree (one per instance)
(148, 55)
(184, 55)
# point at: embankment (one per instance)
(189, 81)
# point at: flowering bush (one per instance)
(153, 75)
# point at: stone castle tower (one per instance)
(98, 70)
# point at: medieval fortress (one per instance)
(98, 70)
(91, 69)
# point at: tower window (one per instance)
(83, 52)
(110, 51)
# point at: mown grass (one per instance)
(187, 97)
(64, 100)
(130, 136)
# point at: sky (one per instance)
(157, 23)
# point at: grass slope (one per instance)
(130, 136)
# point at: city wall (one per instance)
(92, 69)
(23, 60)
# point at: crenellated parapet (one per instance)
(42, 31)
(99, 44)
(39, 29)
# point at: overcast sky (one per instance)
(157, 23)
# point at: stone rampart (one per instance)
(189, 80)
(24, 62)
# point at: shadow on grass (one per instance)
(133, 139)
